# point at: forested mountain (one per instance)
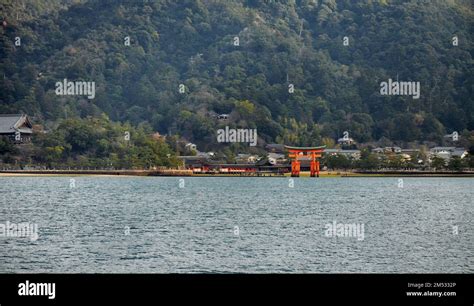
(242, 58)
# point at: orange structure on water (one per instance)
(297, 153)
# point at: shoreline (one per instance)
(188, 173)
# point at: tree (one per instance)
(245, 108)
(438, 163)
(6, 146)
(368, 160)
(455, 163)
(328, 142)
(53, 154)
(396, 162)
(338, 161)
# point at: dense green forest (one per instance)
(92, 143)
(241, 58)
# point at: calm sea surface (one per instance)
(262, 225)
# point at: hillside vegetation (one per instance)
(280, 43)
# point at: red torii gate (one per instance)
(297, 152)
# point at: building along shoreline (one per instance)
(180, 173)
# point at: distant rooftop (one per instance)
(445, 148)
(341, 151)
(10, 123)
(276, 147)
(304, 148)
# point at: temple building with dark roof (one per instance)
(17, 127)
